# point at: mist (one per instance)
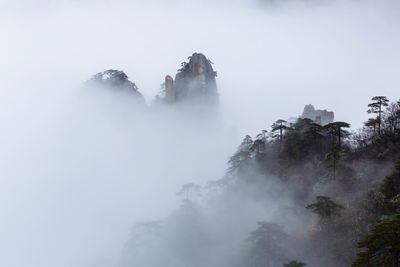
(78, 168)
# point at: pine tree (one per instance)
(372, 123)
(280, 125)
(334, 155)
(325, 208)
(189, 190)
(336, 130)
(242, 156)
(376, 106)
(390, 190)
(381, 248)
(265, 245)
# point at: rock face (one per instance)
(319, 116)
(169, 89)
(116, 80)
(194, 83)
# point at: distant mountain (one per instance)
(319, 116)
(195, 83)
(116, 80)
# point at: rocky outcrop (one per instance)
(116, 80)
(169, 89)
(319, 116)
(195, 83)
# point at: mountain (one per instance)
(298, 194)
(317, 115)
(118, 81)
(194, 84)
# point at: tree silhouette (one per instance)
(372, 123)
(325, 208)
(259, 145)
(393, 116)
(279, 125)
(265, 245)
(376, 106)
(390, 190)
(381, 248)
(315, 130)
(334, 155)
(336, 130)
(242, 156)
(189, 190)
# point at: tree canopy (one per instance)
(325, 208)
(381, 248)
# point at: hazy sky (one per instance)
(77, 170)
(334, 54)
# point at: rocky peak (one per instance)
(116, 80)
(319, 116)
(198, 67)
(195, 83)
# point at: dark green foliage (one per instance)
(381, 135)
(305, 155)
(336, 133)
(335, 129)
(299, 158)
(294, 264)
(116, 80)
(334, 156)
(113, 78)
(242, 156)
(392, 120)
(266, 245)
(390, 192)
(259, 147)
(305, 137)
(298, 155)
(281, 126)
(381, 248)
(376, 106)
(372, 122)
(325, 208)
(315, 131)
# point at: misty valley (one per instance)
(306, 191)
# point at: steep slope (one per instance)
(194, 84)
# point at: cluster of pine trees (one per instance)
(341, 194)
(337, 175)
